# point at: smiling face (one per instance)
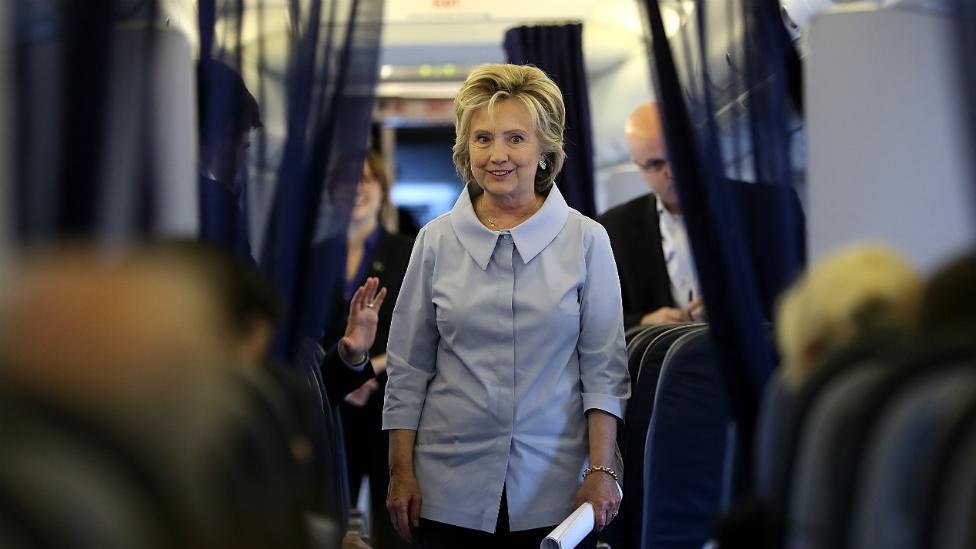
(504, 150)
(369, 196)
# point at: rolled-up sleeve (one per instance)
(601, 347)
(412, 347)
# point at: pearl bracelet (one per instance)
(602, 469)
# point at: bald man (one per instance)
(650, 242)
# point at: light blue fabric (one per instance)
(499, 344)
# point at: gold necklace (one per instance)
(494, 226)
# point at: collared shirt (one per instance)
(500, 342)
(677, 256)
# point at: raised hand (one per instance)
(363, 316)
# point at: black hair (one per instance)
(949, 298)
(241, 292)
(224, 104)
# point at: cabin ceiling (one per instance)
(458, 33)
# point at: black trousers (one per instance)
(437, 535)
(367, 451)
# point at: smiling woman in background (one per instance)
(371, 252)
(506, 355)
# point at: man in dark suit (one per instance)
(227, 115)
(658, 277)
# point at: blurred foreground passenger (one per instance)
(856, 295)
(248, 312)
(126, 422)
(846, 295)
(119, 368)
(506, 355)
(297, 405)
(948, 306)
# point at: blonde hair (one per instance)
(845, 295)
(376, 165)
(541, 97)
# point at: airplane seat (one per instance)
(898, 464)
(633, 331)
(648, 355)
(810, 514)
(690, 448)
(265, 474)
(848, 473)
(13, 532)
(64, 483)
(638, 344)
(950, 504)
(777, 401)
(656, 353)
(779, 454)
(308, 366)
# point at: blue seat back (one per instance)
(689, 449)
(812, 507)
(778, 400)
(639, 343)
(626, 528)
(899, 463)
(792, 415)
(950, 505)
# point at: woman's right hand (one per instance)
(403, 503)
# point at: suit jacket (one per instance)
(635, 236)
(366, 444)
(223, 217)
(388, 263)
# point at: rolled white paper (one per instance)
(572, 530)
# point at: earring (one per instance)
(542, 163)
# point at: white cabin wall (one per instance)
(889, 156)
(615, 90)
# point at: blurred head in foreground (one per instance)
(90, 327)
(846, 295)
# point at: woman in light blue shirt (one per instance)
(506, 358)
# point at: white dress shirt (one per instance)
(677, 256)
(500, 342)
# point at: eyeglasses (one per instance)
(366, 179)
(653, 164)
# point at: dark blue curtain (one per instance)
(714, 218)
(330, 85)
(558, 50)
(68, 180)
(105, 135)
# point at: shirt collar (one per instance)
(663, 212)
(530, 237)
